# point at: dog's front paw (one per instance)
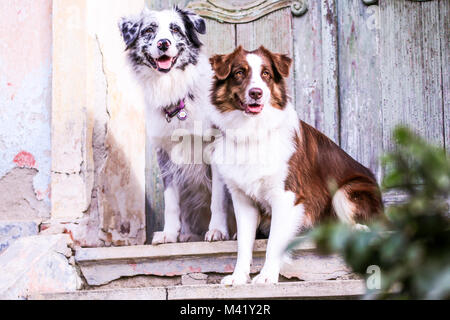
(266, 278)
(236, 279)
(164, 237)
(216, 235)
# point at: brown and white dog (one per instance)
(276, 165)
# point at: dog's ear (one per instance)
(193, 24)
(281, 62)
(197, 22)
(221, 63)
(220, 66)
(130, 28)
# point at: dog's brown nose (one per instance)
(164, 44)
(255, 93)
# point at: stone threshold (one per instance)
(287, 290)
(171, 250)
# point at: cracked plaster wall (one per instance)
(25, 107)
(72, 136)
(99, 135)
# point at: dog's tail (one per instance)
(358, 200)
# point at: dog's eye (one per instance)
(148, 31)
(266, 74)
(176, 30)
(239, 73)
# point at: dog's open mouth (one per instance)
(251, 109)
(163, 63)
(254, 108)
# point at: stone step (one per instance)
(101, 266)
(37, 264)
(287, 290)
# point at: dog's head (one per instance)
(163, 40)
(250, 81)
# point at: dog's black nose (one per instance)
(255, 93)
(164, 44)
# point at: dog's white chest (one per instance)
(258, 167)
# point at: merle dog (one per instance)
(167, 56)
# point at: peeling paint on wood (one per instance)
(330, 70)
(215, 44)
(444, 36)
(308, 85)
(359, 82)
(410, 60)
(358, 69)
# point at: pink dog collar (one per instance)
(177, 110)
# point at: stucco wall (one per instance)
(98, 132)
(25, 108)
(72, 136)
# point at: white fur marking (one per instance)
(343, 207)
(256, 81)
(286, 219)
(247, 218)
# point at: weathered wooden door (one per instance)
(360, 67)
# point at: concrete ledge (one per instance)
(120, 294)
(169, 250)
(100, 266)
(291, 290)
(286, 290)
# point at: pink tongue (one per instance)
(255, 109)
(165, 64)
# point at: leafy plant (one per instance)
(411, 244)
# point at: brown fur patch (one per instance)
(319, 163)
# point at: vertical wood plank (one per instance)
(411, 69)
(330, 70)
(220, 38)
(359, 82)
(165, 4)
(273, 31)
(154, 193)
(432, 71)
(307, 33)
(444, 35)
